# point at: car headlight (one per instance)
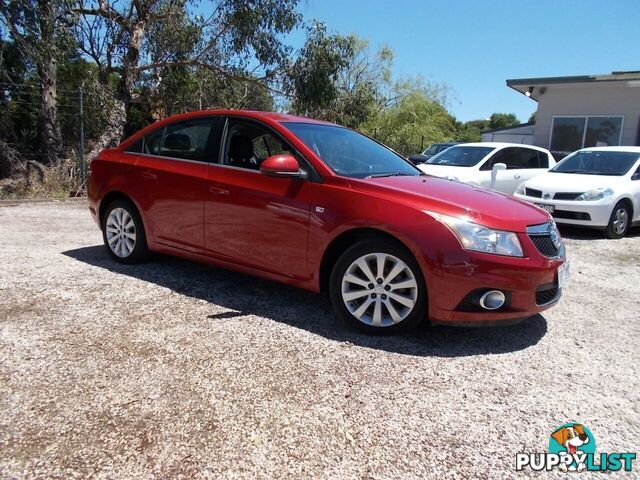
(596, 194)
(520, 189)
(479, 238)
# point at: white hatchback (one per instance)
(595, 187)
(499, 166)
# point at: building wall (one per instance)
(525, 139)
(606, 98)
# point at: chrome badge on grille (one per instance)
(555, 236)
(547, 239)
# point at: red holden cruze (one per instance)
(322, 207)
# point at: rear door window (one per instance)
(529, 158)
(508, 156)
(153, 142)
(543, 160)
(188, 140)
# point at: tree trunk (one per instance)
(117, 118)
(113, 131)
(9, 160)
(50, 138)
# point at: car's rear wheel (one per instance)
(123, 232)
(377, 286)
(619, 222)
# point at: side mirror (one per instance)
(283, 165)
(494, 172)
(635, 176)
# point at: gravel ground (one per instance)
(173, 369)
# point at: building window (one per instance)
(603, 131)
(573, 133)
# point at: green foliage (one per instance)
(501, 120)
(471, 131)
(313, 77)
(412, 120)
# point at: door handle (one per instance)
(219, 191)
(516, 175)
(149, 175)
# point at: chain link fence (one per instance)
(21, 160)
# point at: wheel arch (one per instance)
(629, 202)
(112, 196)
(346, 239)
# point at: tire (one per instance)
(351, 287)
(123, 232)
(621, 214)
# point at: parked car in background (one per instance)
(432, 150)
(322, 207)
(593, 187)
(499, 166)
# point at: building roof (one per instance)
(524, 85)
(512, 127)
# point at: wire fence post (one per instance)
(422, 143)
(82, 166)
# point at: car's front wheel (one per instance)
(123, 232)
(619, 222)
(377, 286)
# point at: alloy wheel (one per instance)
(379, 289)
(121, 232)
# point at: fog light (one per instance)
(492, 300)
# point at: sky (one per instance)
(473, 46)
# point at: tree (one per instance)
(312, 81)
(34, 27)
(501, 120)
(412, 119)
(471, 131)
(141, 39)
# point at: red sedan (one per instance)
(324, 208)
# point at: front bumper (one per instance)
(527, 282)
(588, 214)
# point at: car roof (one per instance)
(502, 145)
(611, 149)
(255, 114)
(273, 116)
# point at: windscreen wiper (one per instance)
(391, 174)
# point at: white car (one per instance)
(594, 187)
(499, 166)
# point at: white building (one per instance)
(581, 111)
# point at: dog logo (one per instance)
(572, 448)
(576, 440)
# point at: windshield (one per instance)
(460, 156)
(597, 163)
(350, 153)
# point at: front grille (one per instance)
(532, 192)
(566, 196)
(546, 294)
(545, 245)
(571, 215)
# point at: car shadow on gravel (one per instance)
(244, 295)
